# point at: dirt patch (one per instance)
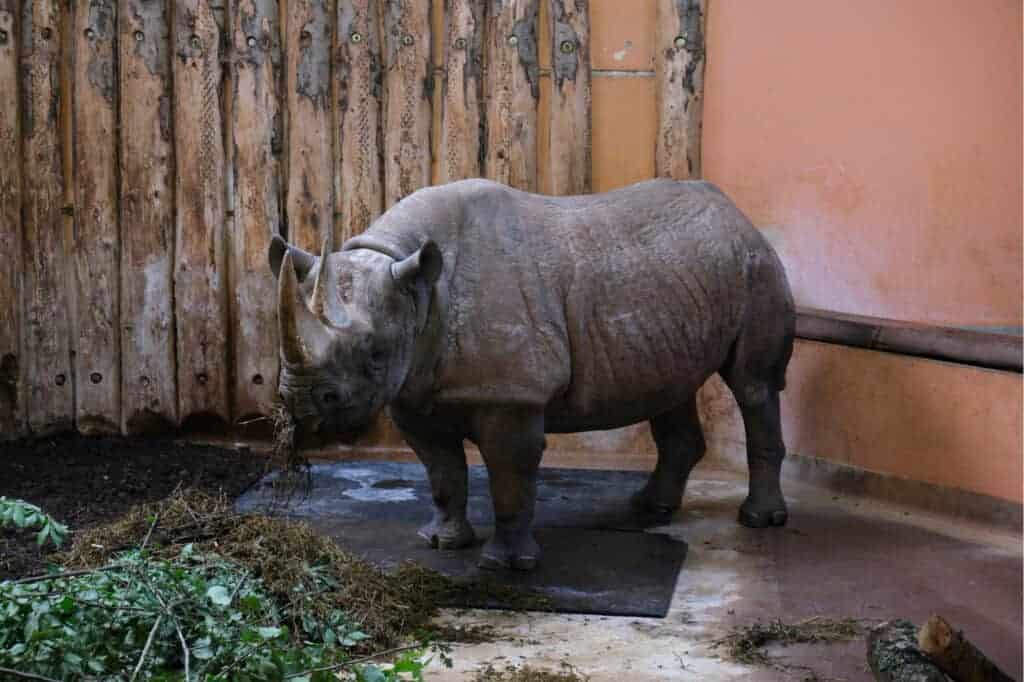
(83, 482)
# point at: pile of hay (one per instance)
(745, 644)
(293, 562)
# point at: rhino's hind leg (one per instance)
(765, 505)
(444, 458)
(756, 373)
(680, 441)
(511, 442)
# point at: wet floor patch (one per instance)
(598, 556)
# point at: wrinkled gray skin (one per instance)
(476, 311)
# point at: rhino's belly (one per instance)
(622, 377)
(617, 413)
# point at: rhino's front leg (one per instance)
(511, 442)
(444, 458)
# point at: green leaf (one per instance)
(219, 595)
(19, 515)
(269, 633)
(250, 604)
(370, 673)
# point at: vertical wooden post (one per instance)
(359, 189)
(46, 331)
(679, 78)
(460, 148)
(149, 375)
(95, 246)
(408, 85)
(308, 84)
(256, 135)
(513, 89)
(12, 398)
(569, 131)
(200, 292)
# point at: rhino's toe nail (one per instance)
(763, 519)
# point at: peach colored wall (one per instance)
(878, 143)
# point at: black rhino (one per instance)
(476, 311)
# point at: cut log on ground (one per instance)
(956, 656)
(894, 656)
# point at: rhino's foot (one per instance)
(522, 556)
(763, 514)
(645, 502)
(450, 534)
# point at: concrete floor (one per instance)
(837, 557)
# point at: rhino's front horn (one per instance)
(303, 336)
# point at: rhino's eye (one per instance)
(376, 362)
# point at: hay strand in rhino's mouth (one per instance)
(291, 467)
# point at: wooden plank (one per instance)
(408, 87)
(149, 381)
(569, 131)
(359, 194)
(12, 398)
(965, 346)
(200, 291)
(95, 246)
(460, 147)
(679, 76)
(46, 332)
(513, 90)
(308, 84)
(256, 137)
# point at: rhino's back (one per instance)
(655, 295)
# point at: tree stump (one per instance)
(957, 657)
(894, 656)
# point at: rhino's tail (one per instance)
(762, 350)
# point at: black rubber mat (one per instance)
(597, 556)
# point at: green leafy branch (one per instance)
(20, 514)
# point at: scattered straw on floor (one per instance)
(390, 607)
(525, 673)
(745, 644)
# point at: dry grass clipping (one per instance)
(745, 644)
(566, 673)
(389, 607)
(292, 468)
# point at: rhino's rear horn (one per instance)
(322, 280)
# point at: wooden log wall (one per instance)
(157, 145)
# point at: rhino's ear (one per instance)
(302, 260)
(423, 266)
